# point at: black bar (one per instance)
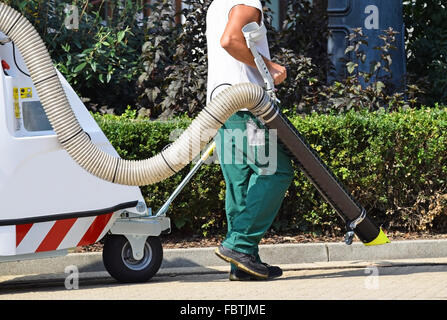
(63, 216)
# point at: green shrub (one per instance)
(101, 58)
(394, 163)
(370, 89)
(426, 39)
(301, 46)
(175, 60)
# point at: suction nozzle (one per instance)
(380, 239)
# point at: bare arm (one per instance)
(233, 40)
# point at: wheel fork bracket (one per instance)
(136, 230)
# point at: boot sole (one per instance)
(234, 278)
(240, 265)
(251, 278)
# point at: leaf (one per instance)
(66, 47)
(349, 49)
(77, 43)
(80, 67)
(180, 222)
(93, 65)
(121, 36)
(351, 66)
(380, 86)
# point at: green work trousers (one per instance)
(257, 172)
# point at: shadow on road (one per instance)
(391, 270)
(56, 282)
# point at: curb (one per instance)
(187, 260)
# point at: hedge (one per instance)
(395, 164)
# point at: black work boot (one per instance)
(243, 261)
(240, 275)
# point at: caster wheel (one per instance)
(120, 263)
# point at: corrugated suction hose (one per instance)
(78, 144)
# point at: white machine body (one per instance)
(47, 201)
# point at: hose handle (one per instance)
(253, 33)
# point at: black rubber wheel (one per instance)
(119, 262)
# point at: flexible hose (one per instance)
(78, 144)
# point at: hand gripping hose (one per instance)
(171, 160)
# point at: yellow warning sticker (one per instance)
(15, 94)
(17, 109)
(26, 93)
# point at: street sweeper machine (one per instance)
(63, 185)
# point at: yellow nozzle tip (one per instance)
(380, 239)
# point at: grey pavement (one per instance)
(414, 279)
(290, 256)
(399, 270)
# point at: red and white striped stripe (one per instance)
(61, 234)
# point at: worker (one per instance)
(254, 189)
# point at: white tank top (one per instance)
(223, 69)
